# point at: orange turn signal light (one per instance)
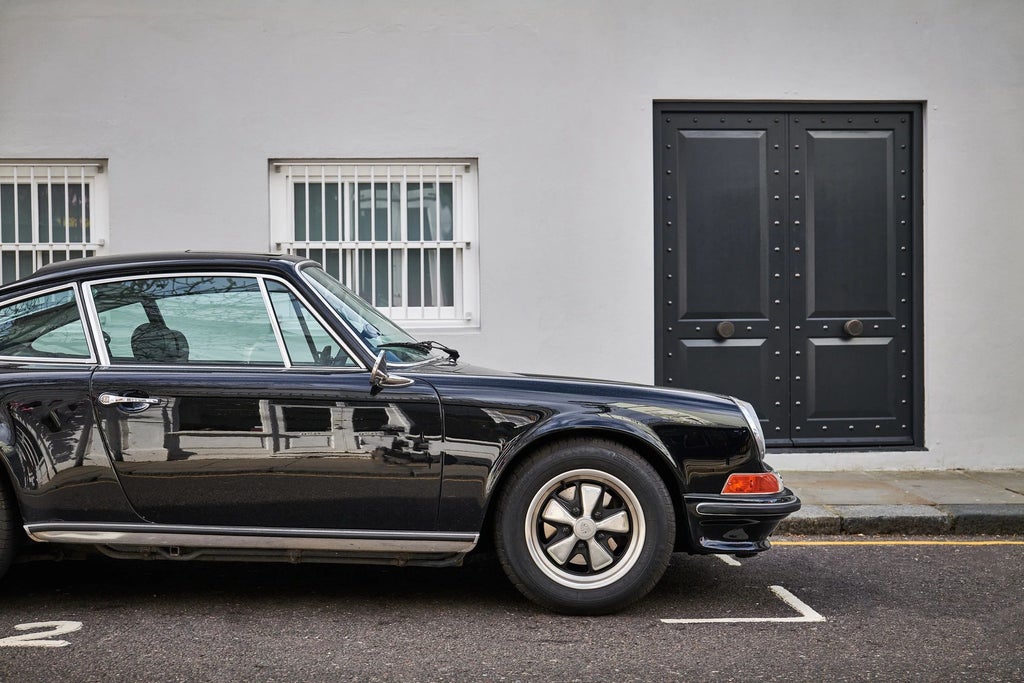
(762, 482)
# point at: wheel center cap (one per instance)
(584, 528)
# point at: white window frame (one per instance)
(348, 173)
(45, 173)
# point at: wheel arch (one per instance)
(644, 444)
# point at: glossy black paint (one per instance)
(265, 447)
(52, 448)
(314, 448)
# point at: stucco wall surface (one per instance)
(189, 100)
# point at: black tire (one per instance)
(584, 527)
(8, 519)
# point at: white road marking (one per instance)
(729, 560)
(807, 615)
(38, 639)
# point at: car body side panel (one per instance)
(53, 449)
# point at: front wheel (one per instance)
(585, 527)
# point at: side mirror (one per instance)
(380, 378)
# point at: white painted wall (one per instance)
(188, 101)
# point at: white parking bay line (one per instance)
(729, 560)
(807, 615)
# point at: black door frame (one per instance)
(914, 110)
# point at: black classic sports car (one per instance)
(250, 407)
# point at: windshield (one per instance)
(365, 320)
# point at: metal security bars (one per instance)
(49, 211)
(399, 233)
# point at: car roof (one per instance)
(100, 266)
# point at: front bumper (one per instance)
(735, 524)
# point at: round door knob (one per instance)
(854, 328)
(725, 329)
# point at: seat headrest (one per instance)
(157, 343)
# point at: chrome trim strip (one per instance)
(742, 509)
(251, 537)
(275, 325)
(96, 332)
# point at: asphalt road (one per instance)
(893, 612)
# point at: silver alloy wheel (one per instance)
(585, 529)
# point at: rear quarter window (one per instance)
(46, 326)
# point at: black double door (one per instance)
(788, 266)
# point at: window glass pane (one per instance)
(365, 273)
(446, 212)
(380, 212)
(429, 199)
(332, 207)
(396, 211)
(306, 340)
(300, 212)
(315, 211)
(396, 278)
(447, 278)
(380, 278)
(46, 326)
(16, 226)
(414, 212)
(364, 220)
(332, 263)
(430, 277)
(415, 277)
(194, 320)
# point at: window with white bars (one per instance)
(401, 234)
(49, 211)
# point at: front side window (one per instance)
(47, 326)
(400, 234)
(49, 213)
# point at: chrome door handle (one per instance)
(111, 399)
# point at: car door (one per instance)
(226, 401)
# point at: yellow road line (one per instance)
(820, 543)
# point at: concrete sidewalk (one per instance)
(921, 502)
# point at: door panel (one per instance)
(850, 378)
(787, 265)
(851, 279)
(849, 227)
(274, 448)
(721, 258)
(724, 212)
